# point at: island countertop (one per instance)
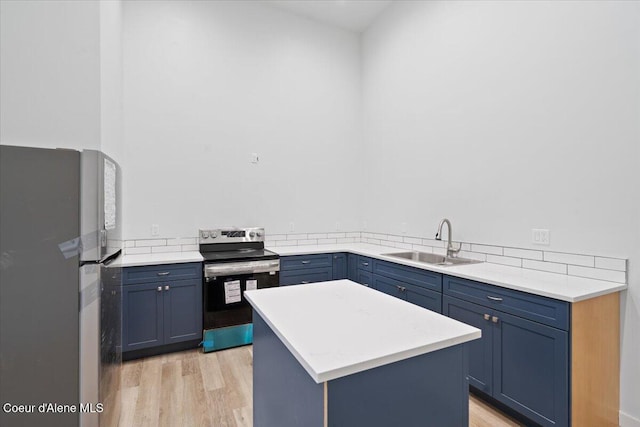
(339, 328)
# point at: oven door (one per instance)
(224, 302)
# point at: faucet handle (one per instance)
(455, 251)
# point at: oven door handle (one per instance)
(247, 267)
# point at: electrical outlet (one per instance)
(540, 236)
(292, 226)
(254, 158)
(155, 229)
(337, 225)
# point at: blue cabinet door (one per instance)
(423, 297)
(480, 350)
(339, 266)
(352, 267)
(182, 310)
(364, 277)
(142, 311)
(530, 369)
(389, 286)
(305, 275)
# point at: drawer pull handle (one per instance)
(304, 282)
(166, 288)
(159, 288)
(495, 319)
(366, 264)
(487, 317)
(164, 273)
(494, 298)
(306, 262)
(401, 288)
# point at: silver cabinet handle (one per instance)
(159, 288)
(487, 317)
(166, 288)
(494, 319)
(306, 262)
(494, 298)
(366, 264)
(164, 273)
(304, 282)
(401, 288)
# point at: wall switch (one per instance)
(292, 226)
(254, 158)
(540, 236)
(155, 229)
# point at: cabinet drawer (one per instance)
(414, 294)
(297, 262)
(540, 309)
(365, 263)
(414, 276)
(160, 273)
(364, 277)
(307, 275)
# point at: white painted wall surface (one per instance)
(111, 133)
(50, 74)
(508, 116)
(208, 83)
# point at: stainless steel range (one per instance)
(235, 260)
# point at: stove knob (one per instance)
(214, 234)
(252, 234)
(259, 234)
(204, 234)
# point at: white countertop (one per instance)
(340, 327)
(552, 285)
(157, 259)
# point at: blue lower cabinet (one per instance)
(352, 267)
(424, 298)
(339, 266)
(480, 350)
(519, 362)
(414, 294)
(182, 311)
(166, 311)
(305, 275)
(142, 311)
(530, 369)
(364, 277)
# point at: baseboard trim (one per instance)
(627, 420)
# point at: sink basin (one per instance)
(433, 259)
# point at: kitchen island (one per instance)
(339, 353)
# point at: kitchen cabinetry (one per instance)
(360, 268)
(522, 359)
(162, 305)
(300, 269)
(414, 285)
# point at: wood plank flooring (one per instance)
(191, 388)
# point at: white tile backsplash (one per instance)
(595, 273)
(589, 266)
(523, 253)
(573, 259)
(551, 267)
(504, 260)
(611, 263)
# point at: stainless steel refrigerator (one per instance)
(60, 292)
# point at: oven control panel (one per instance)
(231, 235)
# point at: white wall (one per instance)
(208, 83)
(508, 116)
(49, 74)
(111, 133)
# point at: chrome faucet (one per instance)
(451, 251)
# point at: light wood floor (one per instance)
(191, 388)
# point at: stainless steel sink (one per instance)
(433, 259)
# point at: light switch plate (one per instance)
(540, 236)
(155, 229)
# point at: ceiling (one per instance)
(352, 15)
